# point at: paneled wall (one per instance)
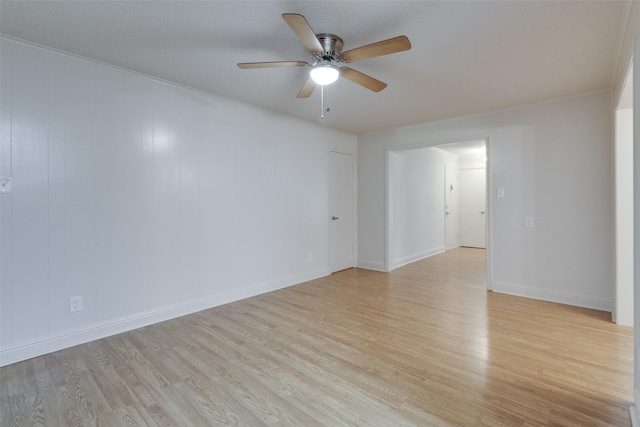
(148, 200)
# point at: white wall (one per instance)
(416, 197)
(554, 162)
(148, 200)
(472, 161)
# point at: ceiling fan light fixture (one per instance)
(324, 74)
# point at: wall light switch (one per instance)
(5, 185)
(500, 193)
(528, 221)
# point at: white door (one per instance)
(341, 254)
(451, 191)
(473, 199)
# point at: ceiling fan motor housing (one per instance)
(332, 46)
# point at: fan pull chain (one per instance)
(322, 110)
(322, 102)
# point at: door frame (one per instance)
(623, 250)
(489, 184)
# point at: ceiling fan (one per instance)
(326, 51)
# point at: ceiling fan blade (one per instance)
(301, 27)
(246, 65)
(362, 79)
(307, 89)
(384, 47)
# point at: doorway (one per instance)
(420, 200)
(470, 202)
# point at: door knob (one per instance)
(447, 213)
(333, 218)
(482, 212)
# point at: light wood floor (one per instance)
(426, 345)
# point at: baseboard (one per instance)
(579, 301)
(416, 257)
(372, 265)
(48, 344)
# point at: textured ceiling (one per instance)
(466, 57)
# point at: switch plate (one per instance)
(500, 193)
(5, 185)
(528, 221)
(75, 304)
(309, 257)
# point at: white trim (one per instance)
(372, 265)
(489, 209)
(633, 409)
(546, 295)
(387, 210)
(635, 54)
(635, 418)
(415, 257)
(18, 352)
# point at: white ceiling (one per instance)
(465, 147)
(466, 57)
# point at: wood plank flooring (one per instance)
(425, 345)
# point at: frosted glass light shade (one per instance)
(324, 74)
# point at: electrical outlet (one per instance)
(5, 184)
(75, 304)
(528, 221)
(309, 257)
